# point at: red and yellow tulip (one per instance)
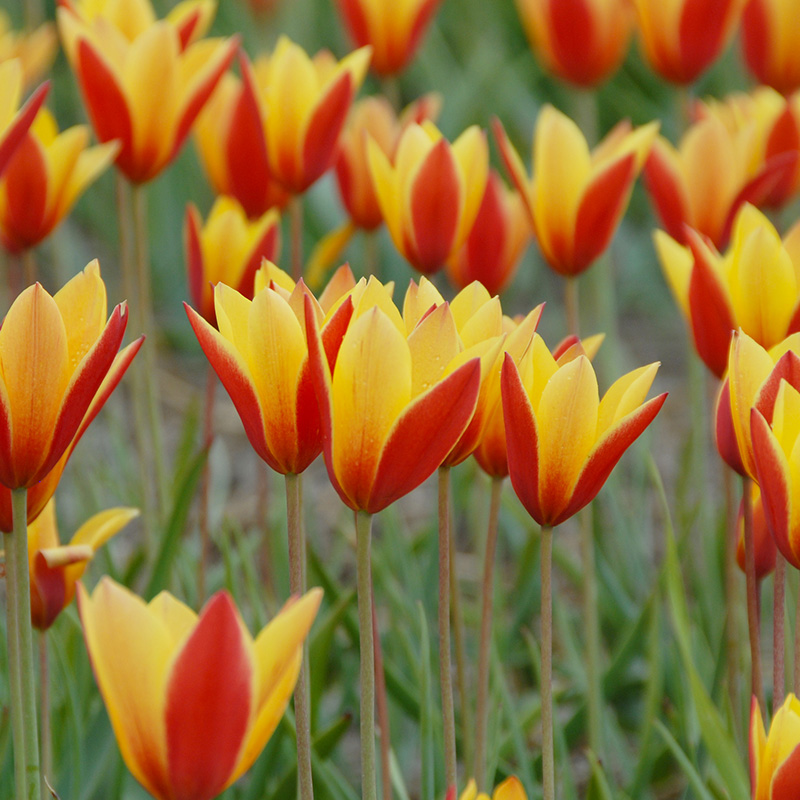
(764, 548)
(510, 789)
(562, 440)
(143, 81)
(432, 191)
(581, 41)
(394, 31)
(775, 757)
(15, 121)
(755, 286)
(192, 699)
(681, 39)
(36, 50)
(576, 198)
(45, 177)
(56, 568)
(390, 413)
(227, 249)
(771, 43)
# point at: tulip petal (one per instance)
(666, 187)
(786, 779)
(702, 27)
(13, 134)
(433, 344)
(26, 181)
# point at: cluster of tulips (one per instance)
(316, 361)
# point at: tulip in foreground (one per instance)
(775, 756)
(192, 699)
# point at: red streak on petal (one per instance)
(665, 188)
(10, 139)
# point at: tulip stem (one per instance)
(383, 708)
(796, 681)
(208, 440)
(592, 622)
(29, 269)
(22, 675)
(369, 789)
(732, 598)
(47, 737)
(297, 579)
(778, 635)
(571, 305)
(296, 225)
(548, 757)
(487, 594)
(757, 688)
(445, 667)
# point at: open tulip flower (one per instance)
(775, 757)
(576, 198)
(36, 50)
(261, 357)
(581, 41)
(682, 38)
(45, 177)
(56, 568)
(226, 249)
(510, 789)
(494, 247)
(143, 80)
(15, 121)
(771, 43)
(390, 414)
(432, 191)
(562, 440)
(192, 699)
(394, 31)
(755, 286)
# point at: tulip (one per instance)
(431, 193)
(509, 789)
(56, 568)
(192, 699)
(228, 249)
(576, 198)
(775, 758)
(562, 440)
(581, 41)
(494, 247)
(393, 31)
(143, 83)
(770, 43)
(763, 543)
(14, 123)
(44, 178)
(36, 50)
(682, 39)
(754, 286)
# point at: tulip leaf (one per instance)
(684, 762)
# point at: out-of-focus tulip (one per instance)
(775, 758)
(226, 249)
(55, 354)
(261, 356)
(562, 440)
(724, 432)
(431, 193)
(716, 169)
(56, 568)
(36, 50)
(755, 286)
(394, 31)
(582, 41)
(771, 43)
(45, 177)
(495, 244)
(15, 121)
(192, 700)
(576, 198)
(510, 789)
(763, 543)
(143, 81)
(390, 415)
(681, 39)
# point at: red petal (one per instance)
(573, 42)
(424, 434)
(788, 369)
(512, 164)
(355, 20)
(26, 189)
(756, 39)
(665, 187)
(48, 593)
(700, 35)
(724, 433)
(786, 778)
(13, 135)
(208, 703)
(194, 261)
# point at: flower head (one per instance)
(771, 44)
(192, 699)
(775, 757)
(763, 542)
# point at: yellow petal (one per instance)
(434, 344)
(625, 395)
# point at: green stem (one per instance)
(369, 789)
(592, 622)
(372, 261)
(796, 681)
(47, 737)
(297, 578)
(756, 684)
(778, 634)
(732, 600)
(30, 270)
(548, 756)
(571, 305)
(383, 708)
(445, 667)
(487, 593)
(208, 440)
(296, 225)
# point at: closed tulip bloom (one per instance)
(192, 699)
(562, 440)
(763, 543)
(754, 286)
(56, 568)
(431, 193)
(576, 197)
(495, 244)
(44, 179)
(775, 757)
(771, 43)
(143, 83)
(682, 39)
(227, 248)
(394, 31)
(15, 121)
(510, 789)
(581, 41)
(36, 50)
(390, 415)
